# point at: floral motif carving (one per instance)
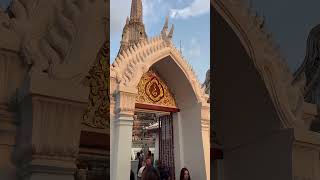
(97, 113)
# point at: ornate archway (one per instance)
(125, 74)
(129, 66)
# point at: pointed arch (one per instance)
(129, 66)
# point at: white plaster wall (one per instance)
(178, 142)
(191, 136)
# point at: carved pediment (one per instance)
(152, 90)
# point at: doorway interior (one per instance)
(153, 131)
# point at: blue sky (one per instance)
(4, 3)
(191, 19)
(290, 21)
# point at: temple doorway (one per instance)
(153, 137)
(152, 130)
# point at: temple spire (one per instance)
(133, 31)
(136, 11)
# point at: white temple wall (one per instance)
(188, 142)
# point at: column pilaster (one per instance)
(49, 136)
(124, 112)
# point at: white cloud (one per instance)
(194, 48)
(154, 9)
(197, 7)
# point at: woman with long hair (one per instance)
(184, 174)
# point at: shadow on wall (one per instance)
(244, 117)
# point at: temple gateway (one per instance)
(156, 104)
(266, 118)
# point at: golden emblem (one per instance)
(154, 90)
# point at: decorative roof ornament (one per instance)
(171, 32)
(167, 36)
(165, 27)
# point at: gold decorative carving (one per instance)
(153, 91)
(97, 114)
